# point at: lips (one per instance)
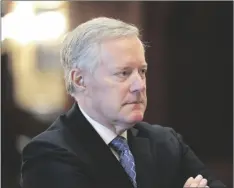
(134, 102)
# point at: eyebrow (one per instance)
(129, 67)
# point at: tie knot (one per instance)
(119, 144)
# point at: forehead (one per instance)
(123, 51)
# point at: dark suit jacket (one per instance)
(71, 154)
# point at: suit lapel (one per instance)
(103, 163)
(145, 163)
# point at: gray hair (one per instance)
(80, 48)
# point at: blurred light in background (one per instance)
(35, 30)
(24, 25)
(18, 26)
(23, 7)
(49, 26)
(49, 4)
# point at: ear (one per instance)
(77, 78)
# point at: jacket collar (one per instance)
(104, 162)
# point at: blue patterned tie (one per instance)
(119, 144)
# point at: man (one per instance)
(102, 142)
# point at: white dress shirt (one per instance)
(106, 134)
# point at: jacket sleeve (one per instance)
(46, 165)
(191, 165)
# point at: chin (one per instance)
(136, 117)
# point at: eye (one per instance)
(124, 73)
(143, 71)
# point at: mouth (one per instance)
(134, 102)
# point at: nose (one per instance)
(138, 83)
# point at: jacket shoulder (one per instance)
(56, 136)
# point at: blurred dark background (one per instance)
(190, 79)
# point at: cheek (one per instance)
(114, 98)
(109, 93)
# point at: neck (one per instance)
(115, 127)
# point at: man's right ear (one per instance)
(77, 78)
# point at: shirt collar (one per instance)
(106, 134)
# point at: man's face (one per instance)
(116, 92)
